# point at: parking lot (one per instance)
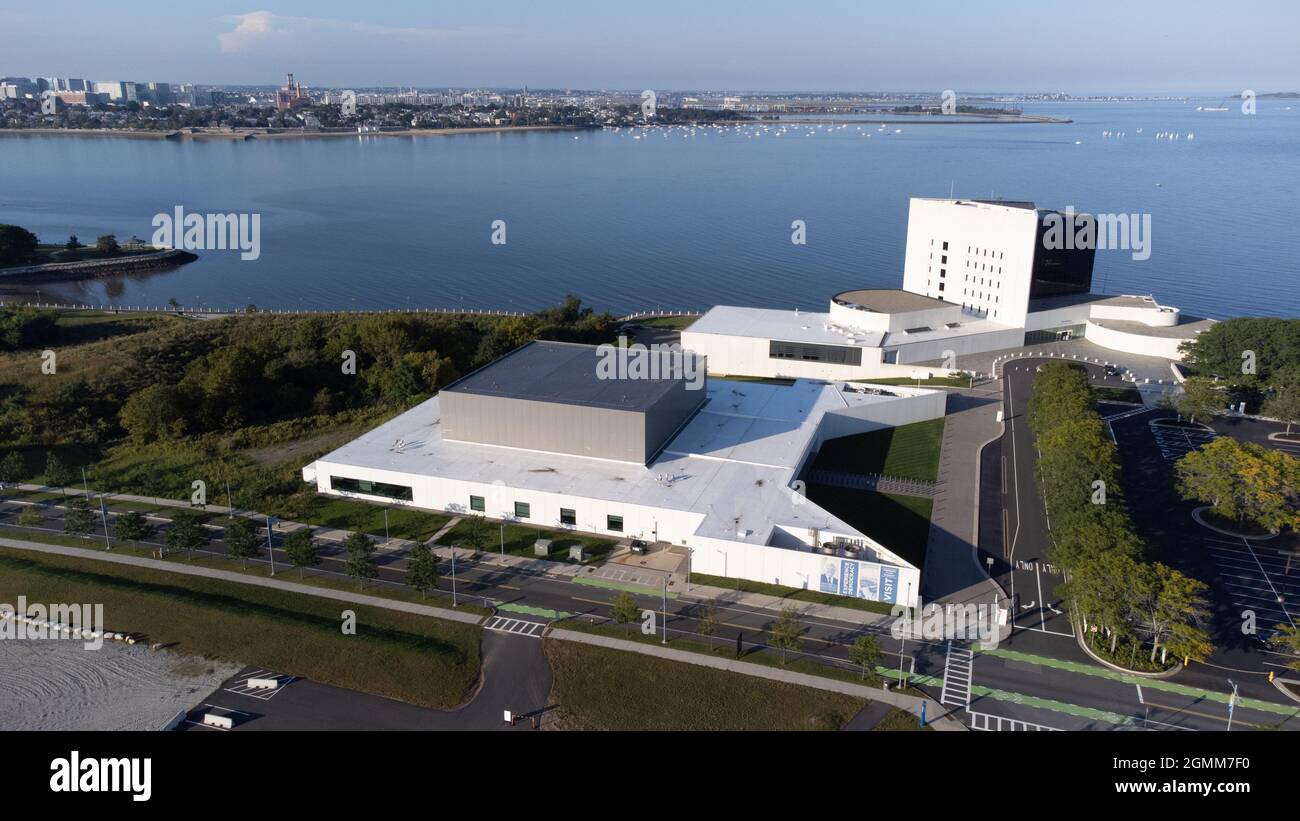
(1175, 442)
(1257, 578)
(1241, 574)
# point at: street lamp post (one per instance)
(270, 547)
(902, 645)
(665, 611)
(453, 575)
(1232, 704)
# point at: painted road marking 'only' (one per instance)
(516, 627)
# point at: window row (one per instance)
(568, 516)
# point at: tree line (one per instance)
(1124, 604)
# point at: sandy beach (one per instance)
(60, 685)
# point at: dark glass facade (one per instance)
(370, 488)
(1063, 268)
(808, 352)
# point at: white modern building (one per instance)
(539, 437)
(977, 277)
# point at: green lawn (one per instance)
(676, 323)
(352, 514)
(793, 593)
(416, 659)
(219, 561)
(909, 451)
(899, 720)
(900, 523)
(519, 541)
(597, 688)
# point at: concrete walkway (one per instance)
(244, 578)
(935, 714)
(562, 571)
(952, 572)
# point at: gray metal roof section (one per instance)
(561, 372)
(889, 300)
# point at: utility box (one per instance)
(542, 547)
(577, 553)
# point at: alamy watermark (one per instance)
(655, 361)
(952, 622)
(58, 621)
(209, 232)
(1068, 230)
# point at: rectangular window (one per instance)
(945, 246)
(568, 516)
(809, 352)
(522, 510)
(940, 286)
(477, 503)
(370, 488)
(614, 523)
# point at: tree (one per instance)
(30, 516)
(17, 244)
(241, 539)
(302, 549)
(1287, 639)
(1200, 398)
(706, 622)
(12, 469)
(57, 473)
(422, 568)
(132, 526)
(107, 244)
(785, 633)
(77, 517)
(1242, 482)
(1284, 403)
(474, 533)
(865, 652)
(153, 413)
(186, 532)
(1173, 608)
(73, 243)
(624, 610)
(360, 563)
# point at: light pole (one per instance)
(270, 549)
(386, 537)
(902, 645)
(665, 641)
(1232, 704)
(453, 575)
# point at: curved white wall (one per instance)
(1128, 342)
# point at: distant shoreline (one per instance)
(242, 134)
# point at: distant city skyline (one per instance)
(1109, 47)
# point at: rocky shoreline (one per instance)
(86, 269)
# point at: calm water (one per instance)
(671, 220)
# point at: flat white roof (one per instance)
(785, 326)
(735, 459)
(800, 326)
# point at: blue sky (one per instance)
(1005, 45)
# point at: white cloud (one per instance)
(260, 28)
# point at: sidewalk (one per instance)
(935, 714)
(952, 571)
(245, 578)
(561, 571)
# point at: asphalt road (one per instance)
(1031, 689)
